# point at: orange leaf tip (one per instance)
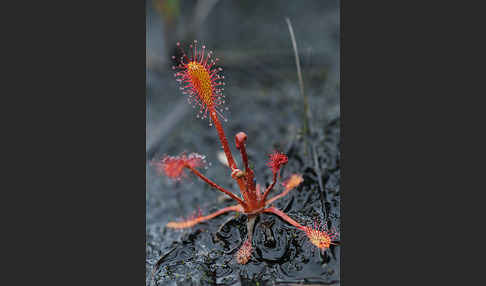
(292, 182)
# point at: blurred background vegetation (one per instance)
(252, 40)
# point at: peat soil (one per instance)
(270, 111)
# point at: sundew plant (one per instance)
(201, 80)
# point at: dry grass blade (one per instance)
(299, 74)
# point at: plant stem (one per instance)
(267, 191)
(222, 138)
(227, 151)
(216, 186)
(192, 222)
(250, 224)
(250, 193)
(284, 217)
(240, 140)
(282, 194)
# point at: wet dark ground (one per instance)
(264, 101)
(204, 255)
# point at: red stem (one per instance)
(222, 138)
(267, 191)
(250, 192)
(192, 222)
(284, 217)
(283, 194)
(240, 139)
(216, 186)
(227, 151)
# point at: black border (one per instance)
(399, 113)
(81, 117)
(82, 93)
